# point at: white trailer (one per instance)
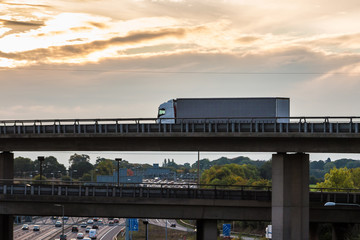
(224, 109)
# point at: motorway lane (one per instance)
(47, 229)
(104, 232)
(162, 223)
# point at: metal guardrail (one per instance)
(187, 125)
(139, 190)
(154, 190)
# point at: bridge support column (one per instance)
(6, 172)
(290, 196)
(206, 229)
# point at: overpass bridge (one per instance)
(300, 134)
(290, 172)
(172, 201)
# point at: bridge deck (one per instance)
(298, 135)
(165, 202)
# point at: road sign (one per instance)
(226, 230)
(134, 224)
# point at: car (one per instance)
(90, 221)
(53, 217)
(25, 227)
(83, 225)
(95, 226)
(111, 223)
(95, 219)
(87, 229)
(173, 225)
(116, 220)
(100, 222)
(63, 237)
(65, 218)
(80, 236)
(36, 228)
(92, 234)
(58, 224)
(74, 229)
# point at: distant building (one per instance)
(123, 178)
(149, 173)
(159, 172)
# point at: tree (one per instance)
(317, 165)
(328, 166)
(23, 166)
(230, 174)
(86, 177)
(266, 170)
(337, 178)
(105, 167)
(76, 158)
(81, 168)
(51, 167)
(355, 177)
(37, 178)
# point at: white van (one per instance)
(92, 234)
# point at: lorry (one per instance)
(199, 110)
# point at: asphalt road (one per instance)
(48, 231)
(167, 223)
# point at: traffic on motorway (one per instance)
(50, 228)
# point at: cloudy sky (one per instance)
(120, 59)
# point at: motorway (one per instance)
(170, 223)
(48, 231)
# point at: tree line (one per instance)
(239, 170)
(80, 168)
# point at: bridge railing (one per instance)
(153, 191)
(187, 185)
(208, 125)
(135, 190)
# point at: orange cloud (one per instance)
(87, 48)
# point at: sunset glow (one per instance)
(86, 54)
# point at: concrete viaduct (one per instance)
(291, 142)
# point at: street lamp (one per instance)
(41, 159)
(118, 170)
(333, 204)
(60, 205)
(146, 222)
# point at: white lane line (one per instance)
(107, 233)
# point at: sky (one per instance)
(63, 59)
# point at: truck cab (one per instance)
(166, 112)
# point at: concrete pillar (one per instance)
(6, 165)
(341, 231)
(290, 196)
(206, 229)
(6, 172)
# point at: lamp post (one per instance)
(63, 208)
(166, 229)
(198, 169)
(333, 204)
(146, 222)
(41, 160)
(118, 170)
